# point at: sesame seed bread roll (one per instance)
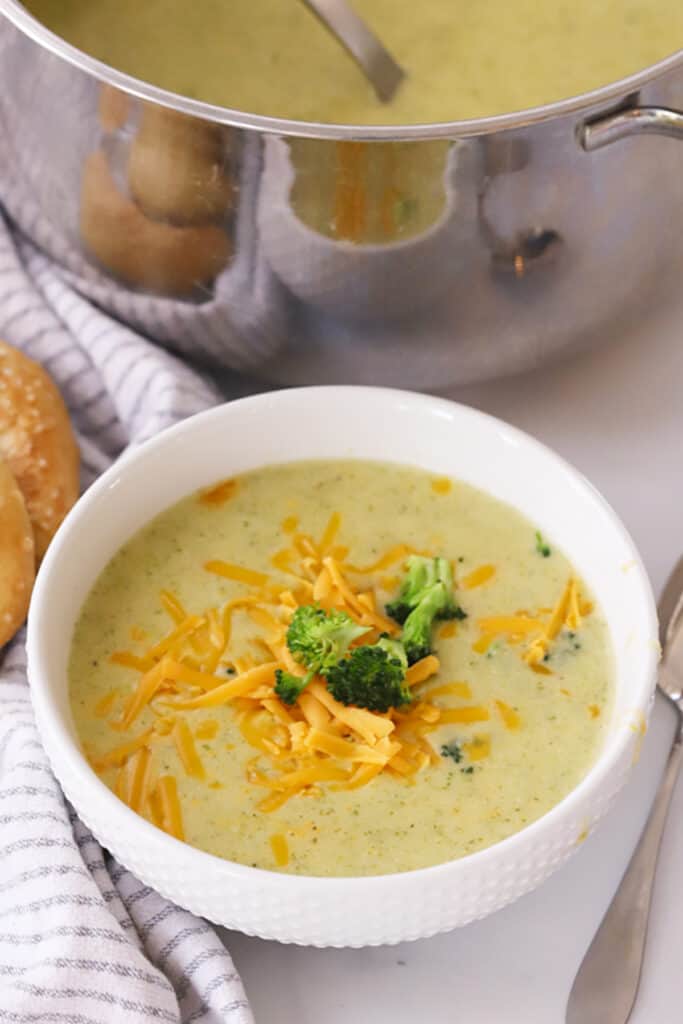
(37, 442)
(17, 556)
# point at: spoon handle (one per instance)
(605, 988)
(384, 74)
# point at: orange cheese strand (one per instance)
(306, 546)
(464, 716)
(330, 532)
(478, 577)
(278, 845)
(511, 718)
(315, 713)
(137, 771)
(509, 624)
(193, 677)
(422, 670)
(463, 690)
(478, 748)
(147, 687)
(538, 647)
(320, 771)
(105, 704)
(183, 629)
(184, 743)
(274, 801)
(396, 554)
(573, 619)
(128, 660)
(283, 559)
(541, 670)
(118, 755)
(237, 687)
(219, 493)
(172, 821)
(263, 618)
(367, 724)
(364, 774)
(482, 645)
(560, 612)
(171, 604)
(239, 573)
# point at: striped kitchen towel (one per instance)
(82, 941)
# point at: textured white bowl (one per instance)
(371, 423)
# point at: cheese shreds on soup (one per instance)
(173, 661)
(463, 59)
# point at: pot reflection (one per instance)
(362, 230)
(153, 206)
(420, 257)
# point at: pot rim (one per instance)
(16, 13)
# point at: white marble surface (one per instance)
(617, 414)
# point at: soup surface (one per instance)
(463, 59)
(502, 726)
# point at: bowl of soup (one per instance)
(342, 666)
(221, 176)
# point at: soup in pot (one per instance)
(464, 60)
(340, 668)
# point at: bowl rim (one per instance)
(49, 717)
(611, 92)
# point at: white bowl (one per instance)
(371, 423)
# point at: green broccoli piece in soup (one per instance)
(452, 750)
(543, 549)
(318, 639)
(372, 677)
(419, 574)
(288, 686)
(426, 595)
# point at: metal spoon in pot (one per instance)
(375, 61)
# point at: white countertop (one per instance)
(617, 414)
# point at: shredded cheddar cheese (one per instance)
(219, 493)
(236, 572)
(317, 742)
(479, 577)
(278, 845)
(510, 717)
(537, 632)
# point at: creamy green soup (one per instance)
(463, 59)
(536, 725)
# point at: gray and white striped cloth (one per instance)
(81, 940)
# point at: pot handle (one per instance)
(604, 130)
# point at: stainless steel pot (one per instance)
(419, 256)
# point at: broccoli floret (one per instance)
(419, 575)
(372, 677)
(318, 639)
(288, 687)
(426, 595)
(544, 550)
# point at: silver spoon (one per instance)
(605, 988)
(377, 64)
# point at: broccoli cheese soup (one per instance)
(340, 668)
(463, 60)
